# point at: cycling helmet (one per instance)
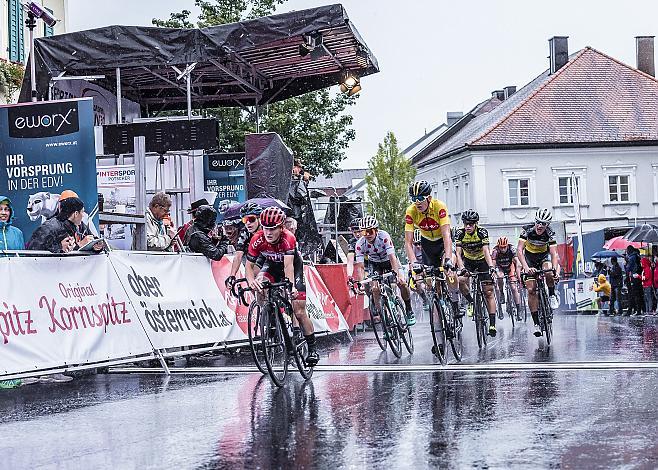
(354, 225)
(543, 216)
(369, 221)
(250, 208)
(470, 216)
(272, 217)
(503, 242)
(416, 236)
(420, 188)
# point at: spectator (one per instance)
(192, 211)
(232, 228)
(616, 284)
(649, 282)
(200, 237)
(158, 235)
(602, 287)
(61, 234)
(634, 280)
(12, 237)
(291, 224)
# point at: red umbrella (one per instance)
(618, 243)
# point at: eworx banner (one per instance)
(223, 174)
(64, 311)
(45, 148)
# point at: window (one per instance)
(618, 188)
(458, 202)
(467, 194)
(519, 191)
(565, 189)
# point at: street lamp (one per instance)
(34, 12)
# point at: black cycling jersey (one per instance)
(503, 259)
(535, 243)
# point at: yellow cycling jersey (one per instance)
(429, 222)
(472, 245)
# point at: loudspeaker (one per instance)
(161, 136)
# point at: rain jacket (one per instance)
(11, 237)
(647, 279)
(603, 285)
(616, 276)
(197, 238)
(50, 234)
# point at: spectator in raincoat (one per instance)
(12, 237)
(649, 282)
(602, 287)
(201, 237)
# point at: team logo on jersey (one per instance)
(428, 224)
(408, 219)
(442, 213)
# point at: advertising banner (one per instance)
(64, 311)
(117, 185)
(46, 148)
(223, 174)
(176, 298)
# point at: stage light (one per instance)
(351, 84)
(312, 45)
(362, 58)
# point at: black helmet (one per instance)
(470, 216)
(250, 208)
(205, 217)
(354, 225)
(419, 188)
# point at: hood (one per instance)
(205, 218)
(5, 199)
(602, 278)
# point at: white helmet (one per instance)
(369, 221)
(543, 216)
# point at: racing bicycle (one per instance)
(545, 312)
(480, 312)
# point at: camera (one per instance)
(40, 12)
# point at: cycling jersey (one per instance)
(351, 245)
(271, 251)
(377, 251)
(503, 259)
(429, 222)
(535, 243)
(243, 240)
(472, 245)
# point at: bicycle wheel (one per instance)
(510, 298)
(438, 330)
(478, 321)
(499, 300)
(454, 327)
(275, 349)
(544, 309)
(253, 327)
(377, 324)
(405, 331)
(483, 315)
(300, 351)
(391, 331)
(524, 302)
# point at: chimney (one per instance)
(644, 54)
(500, 94)
(509, 91)
(453, 117)
(559, 52)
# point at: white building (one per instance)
(588, 114)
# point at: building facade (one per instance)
(590, 117)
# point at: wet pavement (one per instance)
(350, 416)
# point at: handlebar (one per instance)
(239, 291)
(525, 276)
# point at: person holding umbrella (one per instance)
(634, 280)
(616, 284)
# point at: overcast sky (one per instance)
(437, 56)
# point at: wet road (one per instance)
(396, 416)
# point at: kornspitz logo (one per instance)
(43, 120)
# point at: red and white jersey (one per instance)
(377, 251)
(271, 251)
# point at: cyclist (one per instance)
(536, 245)
(472, 242)
(276, 246)
(351, 246)
(377, 245)
(250, 213)
(430, 217)
(505, 260)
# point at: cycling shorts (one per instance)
(535, 260)
(480, 266)
(432, 252)
(274, 272)
(380, 268)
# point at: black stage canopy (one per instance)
(240, 64)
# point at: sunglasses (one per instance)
(368, 231)
(418, 198)
(249, 219)
(542, 224)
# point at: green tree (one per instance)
(11, 78)
(315, 126)
(387, 183)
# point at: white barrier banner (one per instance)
(176, 298)
(64, 311)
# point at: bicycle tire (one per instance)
(275, 349)
(300, 351)
(253, 325)
(405, 331)
(377, 323)
(478, 321)
(456, 342)
(391, 329)
(499, 300)
(543, 312)
(511, 310)
(484, 317)
(524, 301)
(438, 331)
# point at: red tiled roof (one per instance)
(593, 98)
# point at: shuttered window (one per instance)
(16, 31)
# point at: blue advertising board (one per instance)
(223, 174)
(45, 148)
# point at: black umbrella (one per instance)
(645, 233)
